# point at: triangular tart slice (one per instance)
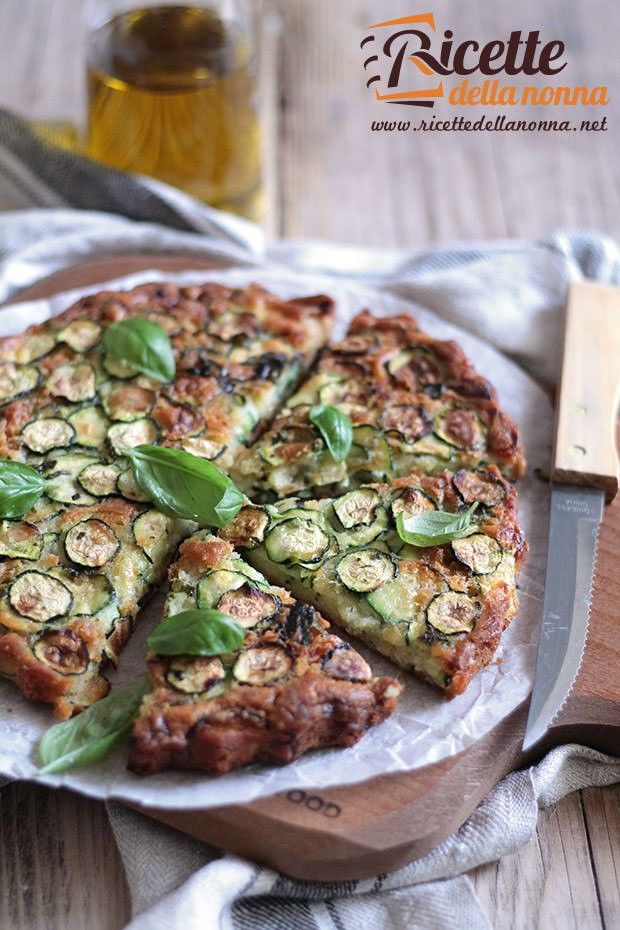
(294, 685)
(416, 404)
(439, 610)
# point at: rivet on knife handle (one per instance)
(585, 448)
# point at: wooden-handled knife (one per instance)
(584, 476)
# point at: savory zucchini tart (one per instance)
(439, 610)
(238, 353)
(416, 404)
(293, 686)
(74, 570)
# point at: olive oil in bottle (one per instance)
(172, 94)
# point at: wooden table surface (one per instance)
(340, 181)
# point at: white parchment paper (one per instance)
(426, 727)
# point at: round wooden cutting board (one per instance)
(381, 824)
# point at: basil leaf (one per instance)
(143, 344)
(183, 485)
(196, 633)
(20, 488)
(92, 734)
(336, 429)
(435, 527)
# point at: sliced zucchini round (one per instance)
(408, 595)
(91, 543)
(480, 553)
(411, 502)
(75, 382)
(125, 436)
(365, 570)
(20, 540)
(248, 528)
(416, 365)
(63, 487)
(91, 592)
(62, 482)
(453, 612)
(262, 665)
(370, 452)
(98, 479)
(479, 486)
(357, 508)
(118, 368)
(363, 535)
(410, 421)
(248, 605)
(432, 445)
(196, 674)
(128, 402)
(62, 650)
(339, 392)
(39, 596)
(48, 433)
(151, 531)
(80, 335)
(16, 380)
(213, 586)
(203, 447)
(296, 540)
(345, 663)
(461, 428)
(90, 425)
(128, 487)
(33, 346)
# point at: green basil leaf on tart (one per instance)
(435, 527)
(142, 344)
(336, 429)
(21, 486)
(90, 736)
(200, 632)
(184, 485)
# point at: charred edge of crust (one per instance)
(257, 724)
(475, 651)
(38, 682)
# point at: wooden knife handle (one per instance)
(585, 439)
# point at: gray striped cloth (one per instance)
(60, 209)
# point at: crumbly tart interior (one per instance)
(416, 403)
(75, 570)
(437, 611)
(294, 685)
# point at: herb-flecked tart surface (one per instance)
(292, 687)
(439, 610)
(416, 404)
(74, 570)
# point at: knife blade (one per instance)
(584, 474)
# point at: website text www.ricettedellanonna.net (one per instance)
(483, 123)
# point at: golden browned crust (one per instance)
(324, 696)
(275, 723)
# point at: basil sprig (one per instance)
(143, 344)
(91, 735)
(196, 633)
(435, 527)
(336, 429)
(20, 488)
(183, 485)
